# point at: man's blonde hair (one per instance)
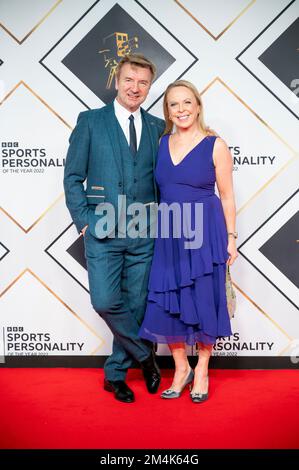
(137, 60)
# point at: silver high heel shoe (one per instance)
(200, 397)
(170, 393)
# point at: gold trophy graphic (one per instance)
(118, 45)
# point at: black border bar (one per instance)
(165, 362)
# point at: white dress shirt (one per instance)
(122, 115)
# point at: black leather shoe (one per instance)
(121, 390)
(151, 373)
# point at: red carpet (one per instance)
(67, 408)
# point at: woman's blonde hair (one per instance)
(169, 124)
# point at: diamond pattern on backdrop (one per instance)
(94, 58)
(273, 58)
(85, 58)
(3, 251)
(30, 154)
(20, 25)
(273, 249)
(203, 13)
(259, 159)
(67, 250)
(73, 337)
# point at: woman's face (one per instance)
(183, 107)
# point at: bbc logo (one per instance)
(9, 144)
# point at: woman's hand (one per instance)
(232, 250)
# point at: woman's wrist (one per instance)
(233, 235)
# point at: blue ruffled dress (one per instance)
(187, 297)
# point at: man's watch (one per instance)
(233, 234)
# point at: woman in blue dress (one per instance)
(195, 240)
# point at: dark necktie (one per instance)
(133, 139)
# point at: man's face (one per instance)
(132, 86)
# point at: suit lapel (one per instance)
(110, 122)
(150, 125)
(111, 128)
(151, 128)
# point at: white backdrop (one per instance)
(243, 58)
